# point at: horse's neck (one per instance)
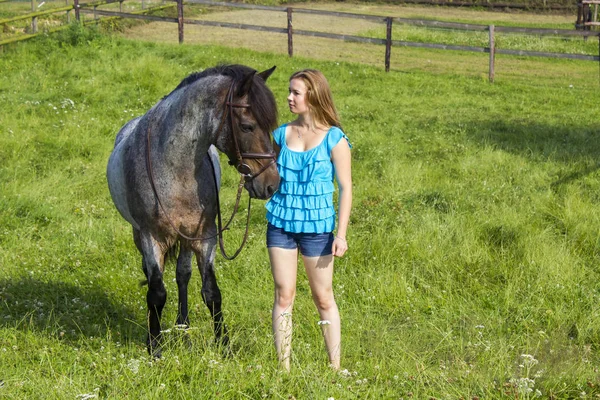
(187, 129)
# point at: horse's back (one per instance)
(116, 171)
(126, 130)
(119, 166)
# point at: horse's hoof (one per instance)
(153, 347)
(183, 336)
(155, 353)
(223, 344)
(227, 353)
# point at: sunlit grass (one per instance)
(472, 269)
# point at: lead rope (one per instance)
(219, 222)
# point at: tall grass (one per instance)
(472, 269)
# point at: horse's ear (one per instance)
(245, 84)
(267, 73)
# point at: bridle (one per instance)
(243, 169)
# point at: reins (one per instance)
(243, 169)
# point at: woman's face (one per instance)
(297, 97)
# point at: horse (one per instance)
(164, 178)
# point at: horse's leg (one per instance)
(205, 255)
(156, 297)
(183, 275)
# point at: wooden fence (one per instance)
(88, 7)
(587, 14)
(388, 42)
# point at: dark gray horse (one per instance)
(164, 176)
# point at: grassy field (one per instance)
(473, 262)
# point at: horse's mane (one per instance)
(260, 98)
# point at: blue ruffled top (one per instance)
(304, 201)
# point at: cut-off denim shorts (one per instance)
(310, 244)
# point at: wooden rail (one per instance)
(35, 14)
(449, 4)
(485, 4)
(133, 15)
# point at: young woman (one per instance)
(312, 151)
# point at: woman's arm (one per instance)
(340, 155)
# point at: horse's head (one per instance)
(249, 116)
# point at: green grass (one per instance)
(473, 241)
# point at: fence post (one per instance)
(180, 19)
(290, 32)
(388, 42)
(492, 53)
(95, 15)
(121, 6)
(68, 12)
(76, 6)
(34, 20)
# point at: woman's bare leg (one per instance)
(284, 267)
(320, 277)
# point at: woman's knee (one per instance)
(324, 300)
(284, 298)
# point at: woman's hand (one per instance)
(339, 246)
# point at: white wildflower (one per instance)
(86, 396)
(134, 365)
(345, 372)
(529, 360)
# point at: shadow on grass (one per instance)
(65, 311)
(572, 144)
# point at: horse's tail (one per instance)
(170, 257)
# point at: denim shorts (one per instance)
(310, 244)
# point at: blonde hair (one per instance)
(318, 97)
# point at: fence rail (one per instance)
(35, 14)
(387, 42)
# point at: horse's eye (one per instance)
(247, 128)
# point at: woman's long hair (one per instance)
(318, 97)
